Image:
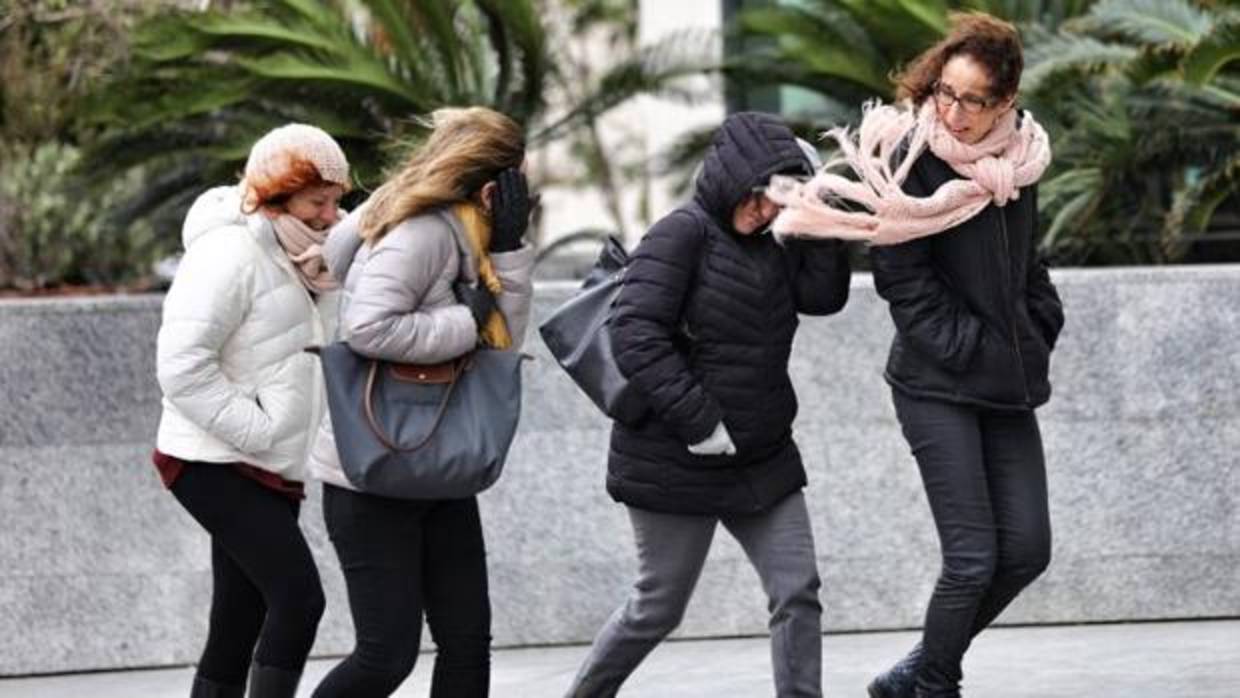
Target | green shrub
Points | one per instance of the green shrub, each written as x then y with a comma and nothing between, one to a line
56,230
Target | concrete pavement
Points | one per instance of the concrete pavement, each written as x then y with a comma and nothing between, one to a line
1195,659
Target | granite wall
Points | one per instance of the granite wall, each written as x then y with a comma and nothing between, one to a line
100,568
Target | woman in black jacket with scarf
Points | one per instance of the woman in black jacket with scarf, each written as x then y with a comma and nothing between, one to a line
944,184
703,329
976,317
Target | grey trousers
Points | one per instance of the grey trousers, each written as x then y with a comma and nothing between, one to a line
671,550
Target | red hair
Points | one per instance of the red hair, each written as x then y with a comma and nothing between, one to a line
274,187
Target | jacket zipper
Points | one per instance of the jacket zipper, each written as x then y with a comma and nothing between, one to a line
316,407
321,337
1007,265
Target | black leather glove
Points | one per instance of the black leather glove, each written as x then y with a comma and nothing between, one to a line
480,301
510,210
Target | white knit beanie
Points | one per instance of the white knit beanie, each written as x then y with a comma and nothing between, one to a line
274,152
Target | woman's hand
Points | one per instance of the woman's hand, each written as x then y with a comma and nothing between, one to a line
479,300
510,210
719,443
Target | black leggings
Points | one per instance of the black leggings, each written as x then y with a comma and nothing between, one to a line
266,599
401,558
985,477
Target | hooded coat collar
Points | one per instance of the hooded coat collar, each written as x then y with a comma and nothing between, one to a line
748,148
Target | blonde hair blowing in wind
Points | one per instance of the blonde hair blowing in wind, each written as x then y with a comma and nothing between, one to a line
467,148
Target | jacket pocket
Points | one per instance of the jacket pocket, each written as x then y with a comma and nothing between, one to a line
998,369
1045,328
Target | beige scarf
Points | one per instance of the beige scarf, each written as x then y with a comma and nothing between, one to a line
1010,156
304,247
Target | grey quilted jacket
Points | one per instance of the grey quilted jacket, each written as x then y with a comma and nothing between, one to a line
398,302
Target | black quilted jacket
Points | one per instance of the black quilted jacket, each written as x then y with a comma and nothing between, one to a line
975,311
704,326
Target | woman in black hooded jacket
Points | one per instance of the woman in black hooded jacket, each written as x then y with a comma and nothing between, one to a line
703,328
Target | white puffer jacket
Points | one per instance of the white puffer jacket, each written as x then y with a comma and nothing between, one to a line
236,384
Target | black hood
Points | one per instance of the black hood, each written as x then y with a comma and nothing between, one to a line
748,148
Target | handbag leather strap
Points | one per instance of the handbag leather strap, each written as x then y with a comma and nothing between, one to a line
458,367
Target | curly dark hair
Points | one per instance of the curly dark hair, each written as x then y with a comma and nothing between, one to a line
993,43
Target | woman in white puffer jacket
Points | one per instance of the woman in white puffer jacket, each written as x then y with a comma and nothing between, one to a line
241,400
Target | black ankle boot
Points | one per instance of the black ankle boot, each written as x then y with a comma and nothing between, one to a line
900,680
206,688
273,682
932,683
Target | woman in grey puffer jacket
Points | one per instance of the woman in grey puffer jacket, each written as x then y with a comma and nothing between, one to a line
442,269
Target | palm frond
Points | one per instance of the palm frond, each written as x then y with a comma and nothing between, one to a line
1048,14
1152,22
1216,49
931,15
906,26
523,55
257,31
1069,197
204,85
164,38
1048,56
361,75
810,28
394,28
311,11
1194,205
1196,202
194,93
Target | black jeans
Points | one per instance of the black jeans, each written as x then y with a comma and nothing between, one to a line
266,599
401,558
985,477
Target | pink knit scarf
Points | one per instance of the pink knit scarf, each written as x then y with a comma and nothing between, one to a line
304,247
876,209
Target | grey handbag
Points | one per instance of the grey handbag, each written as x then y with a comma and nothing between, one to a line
577,335
414,431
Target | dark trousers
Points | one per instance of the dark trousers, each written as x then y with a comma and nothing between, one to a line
266,599
401,558
985,477
671,551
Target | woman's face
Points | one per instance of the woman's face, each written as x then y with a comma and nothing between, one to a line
754,214
964,102
317,206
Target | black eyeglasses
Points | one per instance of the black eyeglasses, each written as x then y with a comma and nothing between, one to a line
945,98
